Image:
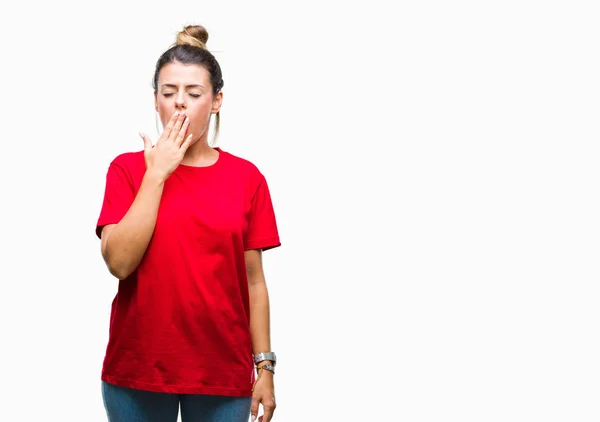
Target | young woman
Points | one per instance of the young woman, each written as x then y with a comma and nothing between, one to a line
182,227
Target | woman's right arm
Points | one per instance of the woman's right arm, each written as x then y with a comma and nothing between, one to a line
124,244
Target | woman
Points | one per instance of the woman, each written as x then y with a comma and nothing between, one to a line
182,227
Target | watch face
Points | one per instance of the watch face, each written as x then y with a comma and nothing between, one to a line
268,367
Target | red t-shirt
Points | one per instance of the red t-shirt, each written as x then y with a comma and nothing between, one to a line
180,322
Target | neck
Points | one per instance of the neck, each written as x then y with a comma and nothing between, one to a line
200,154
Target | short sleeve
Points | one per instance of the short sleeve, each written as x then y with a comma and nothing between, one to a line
118,197
262,230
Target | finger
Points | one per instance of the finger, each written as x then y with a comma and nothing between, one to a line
186,144
254,408
268,409
177,127
182,132
147,142
167,132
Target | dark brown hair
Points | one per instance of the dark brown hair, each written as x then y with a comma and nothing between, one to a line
190,48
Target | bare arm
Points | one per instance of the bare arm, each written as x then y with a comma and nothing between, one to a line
263,391
124,244
259,303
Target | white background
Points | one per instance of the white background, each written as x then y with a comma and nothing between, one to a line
434,171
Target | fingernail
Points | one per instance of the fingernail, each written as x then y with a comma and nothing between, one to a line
141,135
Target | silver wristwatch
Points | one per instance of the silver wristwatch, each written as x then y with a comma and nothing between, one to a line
259,357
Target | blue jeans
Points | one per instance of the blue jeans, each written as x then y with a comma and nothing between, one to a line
124,404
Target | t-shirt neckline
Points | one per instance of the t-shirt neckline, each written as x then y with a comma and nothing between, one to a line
219,159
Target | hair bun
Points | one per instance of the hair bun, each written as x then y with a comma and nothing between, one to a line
195,35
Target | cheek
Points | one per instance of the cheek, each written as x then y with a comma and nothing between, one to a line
164,107
165,112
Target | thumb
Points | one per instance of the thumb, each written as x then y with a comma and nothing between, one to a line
254,409
147,142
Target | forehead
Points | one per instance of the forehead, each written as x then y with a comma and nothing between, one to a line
178,73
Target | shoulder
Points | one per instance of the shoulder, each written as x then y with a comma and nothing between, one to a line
129,159
129,166
243,167
131,163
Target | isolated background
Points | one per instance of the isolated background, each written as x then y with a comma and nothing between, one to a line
434,172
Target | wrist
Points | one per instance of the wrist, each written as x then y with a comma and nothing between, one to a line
154,177
265,367
265,357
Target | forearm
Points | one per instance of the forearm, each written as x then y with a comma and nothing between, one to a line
128,240
259,317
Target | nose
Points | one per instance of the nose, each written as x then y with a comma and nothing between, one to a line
180,103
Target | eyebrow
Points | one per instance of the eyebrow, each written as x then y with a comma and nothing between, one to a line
187,86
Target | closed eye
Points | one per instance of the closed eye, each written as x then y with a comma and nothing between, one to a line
193,95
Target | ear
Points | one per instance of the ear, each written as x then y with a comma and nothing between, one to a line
216,103
155,102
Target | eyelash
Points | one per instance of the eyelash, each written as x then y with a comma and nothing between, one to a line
193,95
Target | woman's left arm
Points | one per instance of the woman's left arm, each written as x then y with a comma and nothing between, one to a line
264,389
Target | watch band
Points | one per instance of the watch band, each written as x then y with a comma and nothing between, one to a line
259,357
267,367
